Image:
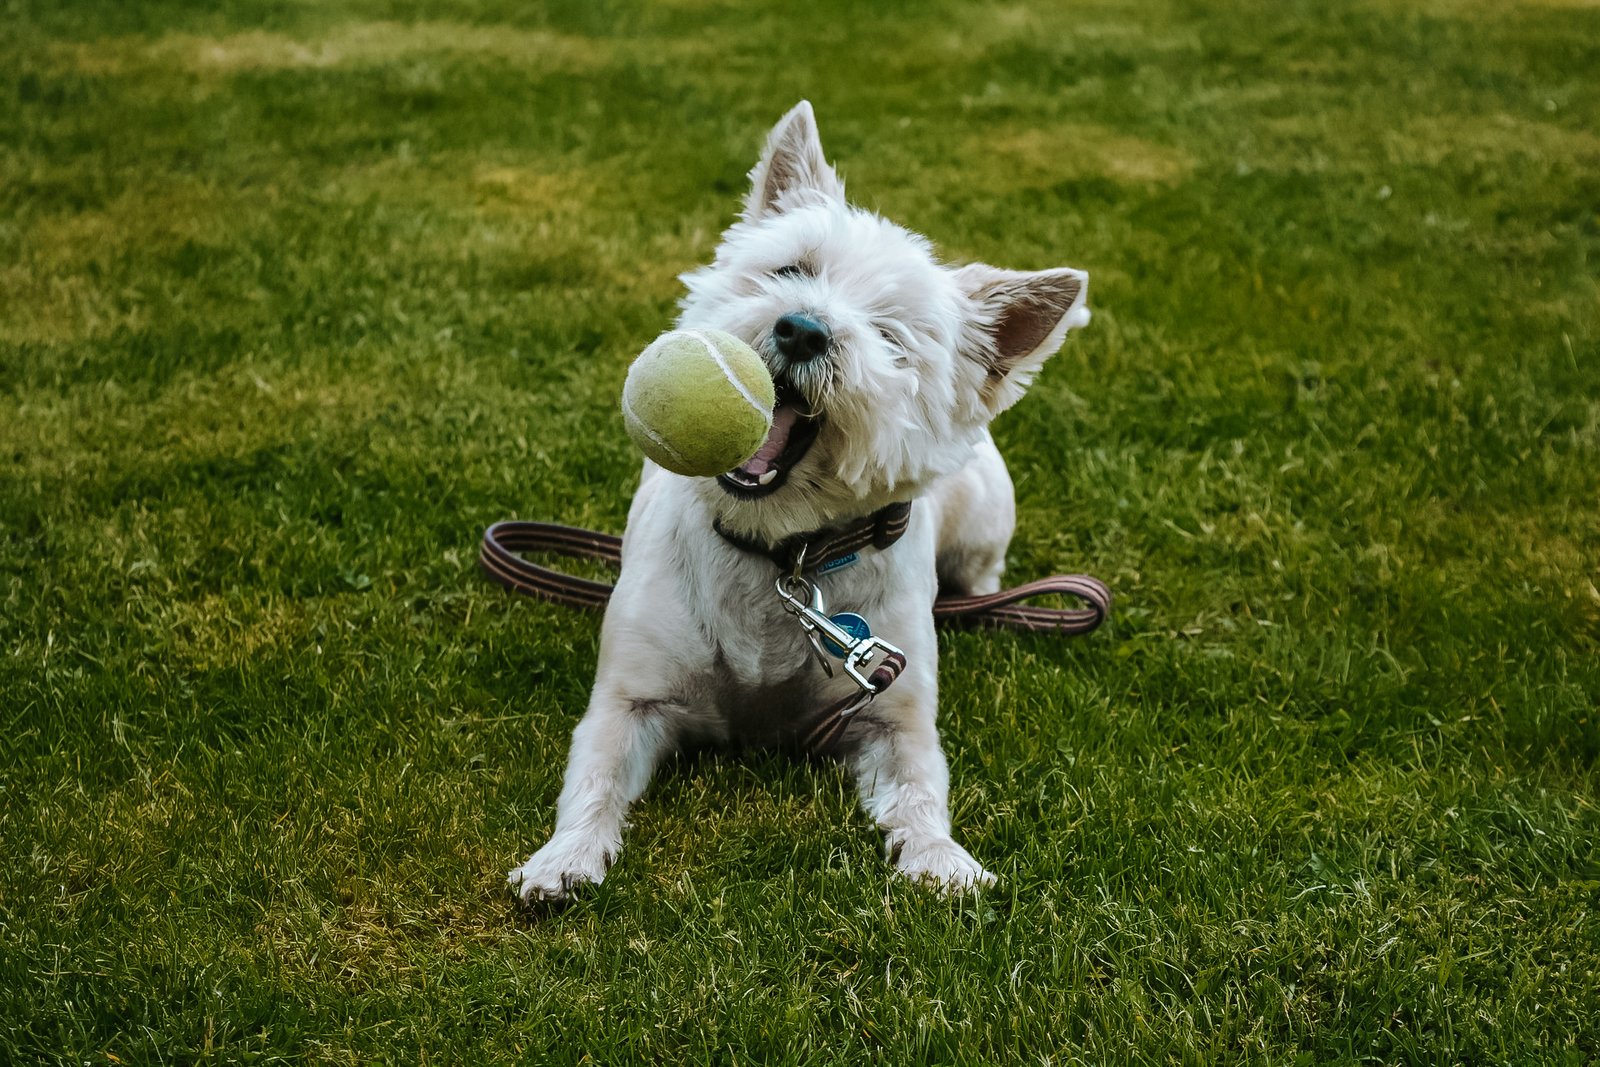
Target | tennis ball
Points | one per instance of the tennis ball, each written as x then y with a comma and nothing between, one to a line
698,402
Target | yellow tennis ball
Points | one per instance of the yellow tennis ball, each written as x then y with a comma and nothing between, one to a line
698,402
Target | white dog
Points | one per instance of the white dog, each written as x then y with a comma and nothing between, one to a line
889,366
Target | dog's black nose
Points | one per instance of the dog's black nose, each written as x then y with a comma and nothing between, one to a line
801,338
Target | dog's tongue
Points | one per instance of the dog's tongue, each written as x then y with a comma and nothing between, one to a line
784,417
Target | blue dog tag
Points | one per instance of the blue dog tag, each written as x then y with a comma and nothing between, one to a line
850,623
839,564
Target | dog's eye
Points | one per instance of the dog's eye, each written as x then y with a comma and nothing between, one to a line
793,270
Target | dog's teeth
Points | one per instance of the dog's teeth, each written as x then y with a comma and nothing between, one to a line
766,479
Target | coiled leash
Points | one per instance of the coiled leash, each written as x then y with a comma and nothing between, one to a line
870,661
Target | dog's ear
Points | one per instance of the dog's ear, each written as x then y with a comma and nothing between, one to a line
792,162
1020,319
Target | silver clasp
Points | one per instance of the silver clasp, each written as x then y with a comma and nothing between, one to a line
803,599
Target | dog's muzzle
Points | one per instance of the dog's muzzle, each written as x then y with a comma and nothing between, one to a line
791,437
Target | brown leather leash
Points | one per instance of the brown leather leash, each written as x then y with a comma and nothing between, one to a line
504,543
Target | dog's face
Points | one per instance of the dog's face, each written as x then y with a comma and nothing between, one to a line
888,363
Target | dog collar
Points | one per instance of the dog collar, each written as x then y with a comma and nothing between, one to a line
820,549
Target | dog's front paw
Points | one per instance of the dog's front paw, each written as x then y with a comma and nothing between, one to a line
940,863
559,869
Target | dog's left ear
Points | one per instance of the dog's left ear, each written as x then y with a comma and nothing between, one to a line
792,162
1020,319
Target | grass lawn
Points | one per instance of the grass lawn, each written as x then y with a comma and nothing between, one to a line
296,298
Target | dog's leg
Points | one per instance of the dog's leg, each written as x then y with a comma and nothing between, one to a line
905,787
977,513
615,748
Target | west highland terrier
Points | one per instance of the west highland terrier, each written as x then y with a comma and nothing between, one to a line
889,367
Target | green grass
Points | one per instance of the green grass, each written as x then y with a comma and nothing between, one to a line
296,298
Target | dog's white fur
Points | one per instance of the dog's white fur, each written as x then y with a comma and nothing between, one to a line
695,645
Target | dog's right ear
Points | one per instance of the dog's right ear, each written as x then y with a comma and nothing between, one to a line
1020,319
792,164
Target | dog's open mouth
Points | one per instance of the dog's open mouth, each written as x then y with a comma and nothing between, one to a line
788,441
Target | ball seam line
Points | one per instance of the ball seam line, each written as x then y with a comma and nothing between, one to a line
722,364
634,420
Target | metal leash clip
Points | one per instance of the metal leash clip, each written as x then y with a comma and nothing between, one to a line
803,599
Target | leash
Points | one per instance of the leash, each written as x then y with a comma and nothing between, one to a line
873,663
504,541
